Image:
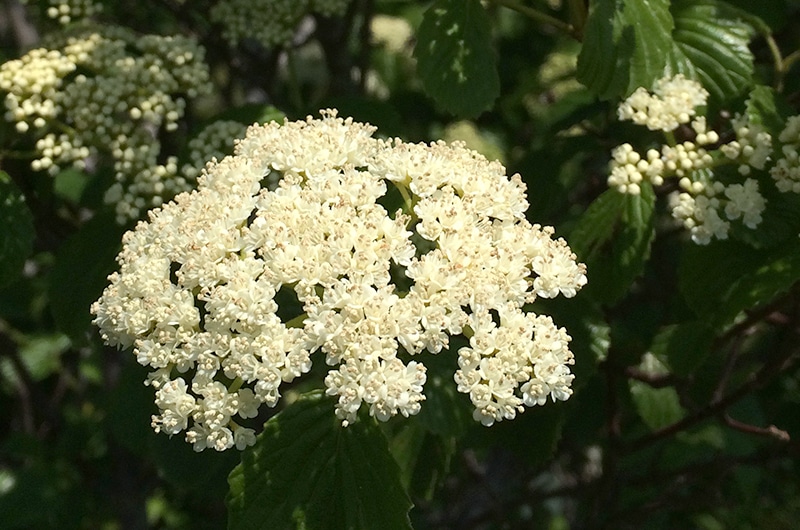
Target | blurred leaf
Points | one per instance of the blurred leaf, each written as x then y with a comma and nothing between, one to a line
80,274
711,45
307,471
683,347
250,114
70,183
626,45
724,278
455,57
16,230
41,354
201,473
658,407
613,238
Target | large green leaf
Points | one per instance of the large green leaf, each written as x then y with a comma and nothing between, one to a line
613,238
16,230
724,278
307,471
80,274
711,45
455,57
626,45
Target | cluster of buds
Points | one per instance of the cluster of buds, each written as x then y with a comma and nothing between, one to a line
271,23
107,92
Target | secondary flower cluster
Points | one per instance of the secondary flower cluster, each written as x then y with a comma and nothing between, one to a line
107,91
704,205
227,292
269,22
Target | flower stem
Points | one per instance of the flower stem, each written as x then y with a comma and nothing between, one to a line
538,16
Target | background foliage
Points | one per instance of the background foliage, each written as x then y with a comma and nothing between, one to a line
685,412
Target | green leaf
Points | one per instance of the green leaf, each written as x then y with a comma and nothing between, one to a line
724,278
445,412
683,347
626,45
70,183
80,274
307,471
658,407
711,45
424,458
16,230
613,238
768,108
455,57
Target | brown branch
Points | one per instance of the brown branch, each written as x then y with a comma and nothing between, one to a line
768,432
718,406
653,380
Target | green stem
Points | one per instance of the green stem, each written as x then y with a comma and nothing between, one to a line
235,385
540,17
787,64
294,86
780,63
408,200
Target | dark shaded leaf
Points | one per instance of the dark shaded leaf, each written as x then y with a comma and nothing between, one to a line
16,230
455,57
80,274
307,471
613,238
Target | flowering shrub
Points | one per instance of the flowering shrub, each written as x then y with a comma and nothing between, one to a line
377,305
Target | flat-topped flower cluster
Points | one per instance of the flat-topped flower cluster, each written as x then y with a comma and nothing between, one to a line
704,205
301,209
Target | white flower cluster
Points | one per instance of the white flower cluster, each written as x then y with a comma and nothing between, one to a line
202,287
704,206
786,170
214,142
269,22
699,207
672,102
752,147
128,89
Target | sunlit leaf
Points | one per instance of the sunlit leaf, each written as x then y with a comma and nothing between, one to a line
626,45
658,407
711,45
